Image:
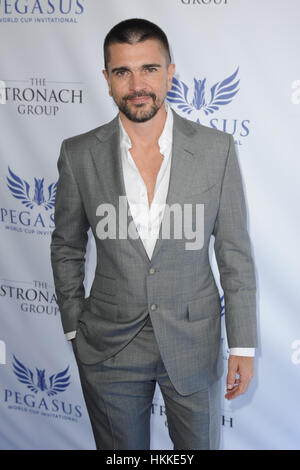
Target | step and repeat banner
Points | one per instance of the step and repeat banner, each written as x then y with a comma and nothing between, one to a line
237,70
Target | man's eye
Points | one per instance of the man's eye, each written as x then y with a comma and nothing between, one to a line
121,73
151,69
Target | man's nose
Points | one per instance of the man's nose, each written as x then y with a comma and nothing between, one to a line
136,81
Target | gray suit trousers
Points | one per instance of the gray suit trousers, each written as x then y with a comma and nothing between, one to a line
119,393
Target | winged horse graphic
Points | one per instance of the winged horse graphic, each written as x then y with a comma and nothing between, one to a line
57,382
221,93
20,190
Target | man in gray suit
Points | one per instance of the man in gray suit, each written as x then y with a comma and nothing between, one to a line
153,314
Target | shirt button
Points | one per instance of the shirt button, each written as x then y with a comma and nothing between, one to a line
153,307
151,270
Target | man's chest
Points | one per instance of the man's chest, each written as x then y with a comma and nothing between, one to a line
148,165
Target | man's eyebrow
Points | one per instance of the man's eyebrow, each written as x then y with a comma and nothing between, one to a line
126,69
148,66
119,69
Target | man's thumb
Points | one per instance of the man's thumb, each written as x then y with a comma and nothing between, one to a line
231,378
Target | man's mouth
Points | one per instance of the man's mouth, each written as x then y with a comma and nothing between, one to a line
139,99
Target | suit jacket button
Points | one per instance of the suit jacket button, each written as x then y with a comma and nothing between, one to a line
151,270
153,307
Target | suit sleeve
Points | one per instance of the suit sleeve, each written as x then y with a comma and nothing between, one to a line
68,244
234,258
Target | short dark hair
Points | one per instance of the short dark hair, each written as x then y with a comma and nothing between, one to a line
133,31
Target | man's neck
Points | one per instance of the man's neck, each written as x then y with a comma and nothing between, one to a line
146,133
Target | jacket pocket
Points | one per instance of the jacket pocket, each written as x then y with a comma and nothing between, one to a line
211,191
204,307
103,285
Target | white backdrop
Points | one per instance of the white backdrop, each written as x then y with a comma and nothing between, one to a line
51,87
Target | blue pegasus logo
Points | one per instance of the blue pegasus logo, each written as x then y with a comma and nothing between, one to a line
221,93
20,190
57,382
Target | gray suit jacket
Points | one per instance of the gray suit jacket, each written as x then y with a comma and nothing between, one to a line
176,287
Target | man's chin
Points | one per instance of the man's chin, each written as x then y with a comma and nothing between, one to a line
140,115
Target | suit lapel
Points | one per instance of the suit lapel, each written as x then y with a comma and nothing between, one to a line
107,159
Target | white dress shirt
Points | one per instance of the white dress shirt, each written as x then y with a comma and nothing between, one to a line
147,219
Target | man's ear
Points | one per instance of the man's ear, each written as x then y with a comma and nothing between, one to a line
108,81
171,71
